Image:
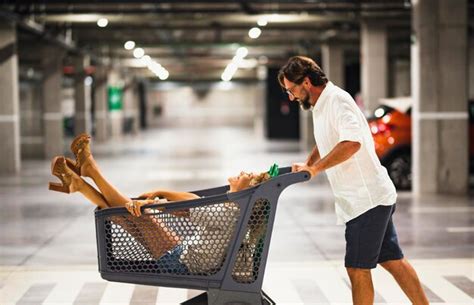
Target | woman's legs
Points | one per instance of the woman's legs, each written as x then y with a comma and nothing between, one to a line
150,230
111,194
71,182
92,194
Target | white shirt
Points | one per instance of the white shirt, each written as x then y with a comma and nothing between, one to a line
361,182
205,250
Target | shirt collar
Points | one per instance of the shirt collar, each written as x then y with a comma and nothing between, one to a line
324,95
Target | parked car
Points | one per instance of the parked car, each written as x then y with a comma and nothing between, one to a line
391,129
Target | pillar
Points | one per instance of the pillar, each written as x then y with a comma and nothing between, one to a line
31,123
440,114
101,107
131,106
51,91
333,63
373,63
115,103
82,97
307,141
401,78
9,105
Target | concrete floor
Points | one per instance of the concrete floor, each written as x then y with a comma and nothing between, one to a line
48,249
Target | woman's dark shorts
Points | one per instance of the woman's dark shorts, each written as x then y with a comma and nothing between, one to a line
371,239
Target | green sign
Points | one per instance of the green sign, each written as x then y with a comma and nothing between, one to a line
115,98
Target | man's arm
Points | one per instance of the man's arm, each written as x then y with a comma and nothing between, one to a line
313,157
340,153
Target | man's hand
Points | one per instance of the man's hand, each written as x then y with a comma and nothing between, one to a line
298,167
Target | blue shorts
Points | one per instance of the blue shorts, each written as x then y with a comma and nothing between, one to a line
371,239
170,262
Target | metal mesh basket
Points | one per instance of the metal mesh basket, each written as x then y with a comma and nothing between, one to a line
217,243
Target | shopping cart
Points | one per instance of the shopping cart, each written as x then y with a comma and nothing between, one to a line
218,243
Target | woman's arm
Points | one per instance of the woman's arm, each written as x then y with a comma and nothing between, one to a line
148,198
169,195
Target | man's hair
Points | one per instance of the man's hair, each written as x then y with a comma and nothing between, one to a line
299,67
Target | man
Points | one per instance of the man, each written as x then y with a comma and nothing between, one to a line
365,195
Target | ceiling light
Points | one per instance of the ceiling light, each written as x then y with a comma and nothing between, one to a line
138,53
262,22
146,60
129,45
242,52
226,77
164,75
102,22
88,81
254,32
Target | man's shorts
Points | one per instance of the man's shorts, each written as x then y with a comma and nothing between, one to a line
371,239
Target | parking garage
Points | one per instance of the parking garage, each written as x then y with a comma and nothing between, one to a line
182,95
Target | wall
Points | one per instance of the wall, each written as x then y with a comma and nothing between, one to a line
217,103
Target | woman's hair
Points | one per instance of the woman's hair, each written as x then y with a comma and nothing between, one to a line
299,67
262,177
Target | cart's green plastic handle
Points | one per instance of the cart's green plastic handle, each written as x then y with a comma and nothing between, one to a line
273,171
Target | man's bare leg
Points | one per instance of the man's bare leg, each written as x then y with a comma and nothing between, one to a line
407,279
362,287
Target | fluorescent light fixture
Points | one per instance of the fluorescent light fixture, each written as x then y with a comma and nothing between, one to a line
138,53
254,32
129,45
262,21
88,81
242,52
146,60
102,22
164,75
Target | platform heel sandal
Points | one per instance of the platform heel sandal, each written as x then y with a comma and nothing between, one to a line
80,146
65,174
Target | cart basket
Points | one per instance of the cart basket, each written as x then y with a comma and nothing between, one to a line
218,243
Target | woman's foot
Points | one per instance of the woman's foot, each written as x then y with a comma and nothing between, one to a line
71,182
80,146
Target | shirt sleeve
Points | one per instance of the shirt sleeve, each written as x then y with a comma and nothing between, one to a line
347,121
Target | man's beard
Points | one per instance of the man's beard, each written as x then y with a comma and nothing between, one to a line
305,104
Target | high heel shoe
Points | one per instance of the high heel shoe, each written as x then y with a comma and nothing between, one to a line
81,148
65,174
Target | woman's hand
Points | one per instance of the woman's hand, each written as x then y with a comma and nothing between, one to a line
134,206
149,195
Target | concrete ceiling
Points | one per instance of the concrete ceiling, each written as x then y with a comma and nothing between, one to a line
198,39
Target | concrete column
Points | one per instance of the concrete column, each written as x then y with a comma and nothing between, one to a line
116,115
9,100
260,98
82,97
31,123
101,106
130,106
471,68
307,141
53,131
333,63
401,78
373,63
439,85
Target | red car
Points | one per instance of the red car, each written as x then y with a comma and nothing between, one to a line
391,129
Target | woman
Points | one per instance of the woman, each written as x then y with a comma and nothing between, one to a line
200,252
